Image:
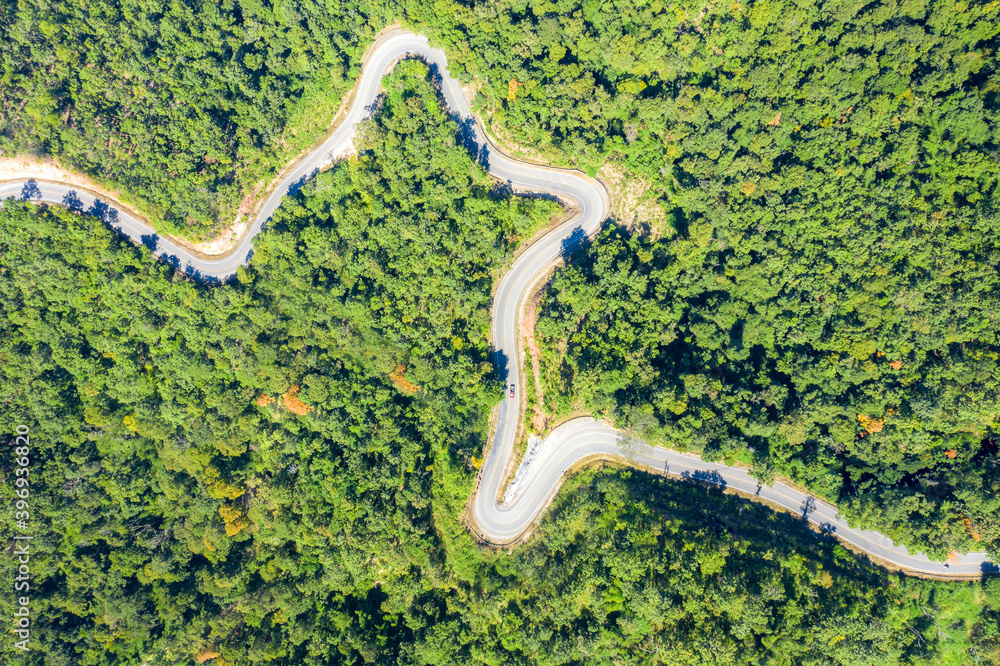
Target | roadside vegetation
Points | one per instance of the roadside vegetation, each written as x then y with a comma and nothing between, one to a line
233,475
273,471
825,306
187,108
718,108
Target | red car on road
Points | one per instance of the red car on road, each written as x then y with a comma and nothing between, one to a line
511,390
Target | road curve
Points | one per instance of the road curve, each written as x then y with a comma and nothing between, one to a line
495,521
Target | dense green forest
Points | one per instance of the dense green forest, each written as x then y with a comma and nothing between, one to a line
184,106
753,111
824,303
272,471
878,392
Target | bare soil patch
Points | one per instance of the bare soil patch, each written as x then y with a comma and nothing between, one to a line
47,168
18,167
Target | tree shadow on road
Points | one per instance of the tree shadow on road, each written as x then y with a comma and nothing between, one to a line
577,241
701,502
502,363
30,191
72,201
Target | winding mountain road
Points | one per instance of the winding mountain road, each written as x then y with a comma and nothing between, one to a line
578,440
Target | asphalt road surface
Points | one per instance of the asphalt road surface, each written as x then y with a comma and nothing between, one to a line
494,521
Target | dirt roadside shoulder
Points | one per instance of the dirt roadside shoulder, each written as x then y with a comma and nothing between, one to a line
24,166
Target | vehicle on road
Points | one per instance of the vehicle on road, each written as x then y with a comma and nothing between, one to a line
511,390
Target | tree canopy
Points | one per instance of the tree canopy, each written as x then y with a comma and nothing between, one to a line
274,470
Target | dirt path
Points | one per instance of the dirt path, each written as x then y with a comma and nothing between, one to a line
18,167
539,419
